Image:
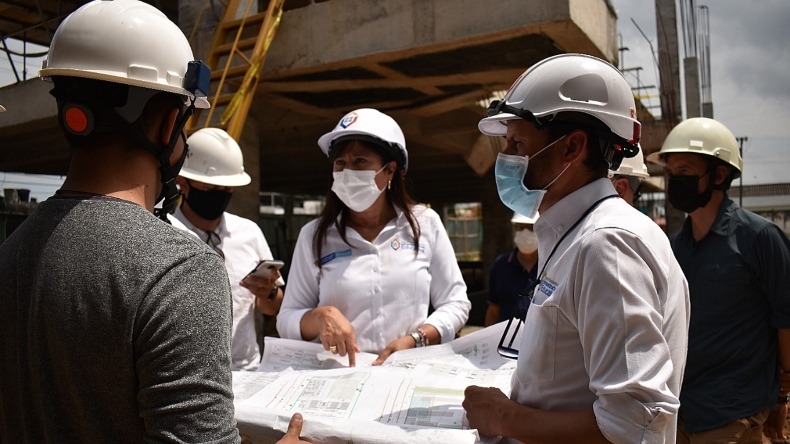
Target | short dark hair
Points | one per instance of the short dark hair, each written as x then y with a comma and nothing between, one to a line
713,163
567,122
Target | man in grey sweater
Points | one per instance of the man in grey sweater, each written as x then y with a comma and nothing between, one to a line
115,326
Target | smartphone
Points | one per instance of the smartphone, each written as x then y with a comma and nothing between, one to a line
265,268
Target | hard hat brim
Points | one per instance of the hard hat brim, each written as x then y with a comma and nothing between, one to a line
496,125
235,180
325,141
113,77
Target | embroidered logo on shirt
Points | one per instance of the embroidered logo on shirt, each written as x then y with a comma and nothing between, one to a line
411,246
331,256
544,291
547,287
398,245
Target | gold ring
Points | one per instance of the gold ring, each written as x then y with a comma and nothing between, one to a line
333,348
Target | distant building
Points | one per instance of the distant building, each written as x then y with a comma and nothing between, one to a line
771,201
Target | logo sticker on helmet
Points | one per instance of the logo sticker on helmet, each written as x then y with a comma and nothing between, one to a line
348,120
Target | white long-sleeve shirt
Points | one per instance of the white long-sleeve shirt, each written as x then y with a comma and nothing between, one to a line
381,287
608,323
243,244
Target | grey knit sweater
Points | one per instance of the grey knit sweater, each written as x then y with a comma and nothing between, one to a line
114,327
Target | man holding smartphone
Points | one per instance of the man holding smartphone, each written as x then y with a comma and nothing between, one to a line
213,168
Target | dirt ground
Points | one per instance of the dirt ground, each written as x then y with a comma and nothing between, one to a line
787,431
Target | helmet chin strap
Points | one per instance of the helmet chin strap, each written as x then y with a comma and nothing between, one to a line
167,172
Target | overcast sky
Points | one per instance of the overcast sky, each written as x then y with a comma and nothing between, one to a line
750,73
750,76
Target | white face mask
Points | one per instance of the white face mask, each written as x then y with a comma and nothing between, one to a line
357,188
526,240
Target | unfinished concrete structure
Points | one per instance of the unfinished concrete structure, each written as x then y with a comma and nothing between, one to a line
428,63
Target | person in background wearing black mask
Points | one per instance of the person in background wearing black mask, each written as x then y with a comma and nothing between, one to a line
213,168
628,178
736,263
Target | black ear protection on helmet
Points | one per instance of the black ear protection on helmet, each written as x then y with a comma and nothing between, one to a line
77,118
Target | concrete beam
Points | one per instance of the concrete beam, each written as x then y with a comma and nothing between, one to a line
340,30
25,102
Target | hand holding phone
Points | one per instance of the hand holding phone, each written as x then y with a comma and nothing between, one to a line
265,268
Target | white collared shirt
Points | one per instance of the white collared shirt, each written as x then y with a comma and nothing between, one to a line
608,325
243,245
381,287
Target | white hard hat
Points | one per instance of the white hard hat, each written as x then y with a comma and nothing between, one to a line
701,135
563,83
128,42
368,122
634,166
214,158
519,218
2,109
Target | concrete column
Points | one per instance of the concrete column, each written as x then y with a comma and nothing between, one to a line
668,65
669,71
707,109
691,78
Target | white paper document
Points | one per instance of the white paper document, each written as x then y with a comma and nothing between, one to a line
414,397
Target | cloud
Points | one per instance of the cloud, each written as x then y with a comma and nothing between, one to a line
750,73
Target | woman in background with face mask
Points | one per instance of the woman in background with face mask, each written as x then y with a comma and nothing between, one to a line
365,273
513,274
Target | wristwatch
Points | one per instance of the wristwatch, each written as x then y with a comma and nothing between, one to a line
420,338
783,399
418,342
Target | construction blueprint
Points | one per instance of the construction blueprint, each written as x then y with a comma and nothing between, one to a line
415,397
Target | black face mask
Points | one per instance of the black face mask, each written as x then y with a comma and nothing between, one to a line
683,193
175,169
208,204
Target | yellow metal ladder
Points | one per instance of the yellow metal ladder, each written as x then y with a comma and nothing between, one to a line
236,61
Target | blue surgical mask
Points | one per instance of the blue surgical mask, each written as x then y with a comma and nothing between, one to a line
509,172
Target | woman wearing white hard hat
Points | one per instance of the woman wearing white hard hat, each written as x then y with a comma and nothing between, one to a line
365,273
514,274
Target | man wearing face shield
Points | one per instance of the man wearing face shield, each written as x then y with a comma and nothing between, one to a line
514,273
604,341
736,263
212,170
